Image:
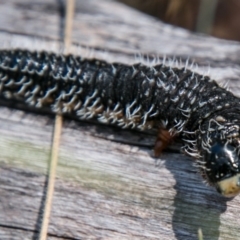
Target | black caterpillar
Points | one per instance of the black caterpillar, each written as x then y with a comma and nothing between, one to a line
203,114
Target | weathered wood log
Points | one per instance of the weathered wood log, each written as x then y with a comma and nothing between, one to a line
108,184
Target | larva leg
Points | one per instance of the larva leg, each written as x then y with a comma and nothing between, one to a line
164,138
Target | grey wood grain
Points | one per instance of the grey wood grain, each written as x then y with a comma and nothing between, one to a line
108,185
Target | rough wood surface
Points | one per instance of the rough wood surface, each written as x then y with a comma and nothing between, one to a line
108,185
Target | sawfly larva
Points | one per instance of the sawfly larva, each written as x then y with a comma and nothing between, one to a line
175,101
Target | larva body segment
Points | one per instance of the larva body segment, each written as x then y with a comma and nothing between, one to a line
206,116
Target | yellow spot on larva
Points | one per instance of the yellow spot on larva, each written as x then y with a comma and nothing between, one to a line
230,187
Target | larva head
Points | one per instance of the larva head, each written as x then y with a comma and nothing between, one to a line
222,168
219,145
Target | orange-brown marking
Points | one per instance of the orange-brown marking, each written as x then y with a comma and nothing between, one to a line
164,138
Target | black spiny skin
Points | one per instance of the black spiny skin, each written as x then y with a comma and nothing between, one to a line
206,116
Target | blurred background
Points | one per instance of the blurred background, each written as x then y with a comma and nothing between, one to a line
219,18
